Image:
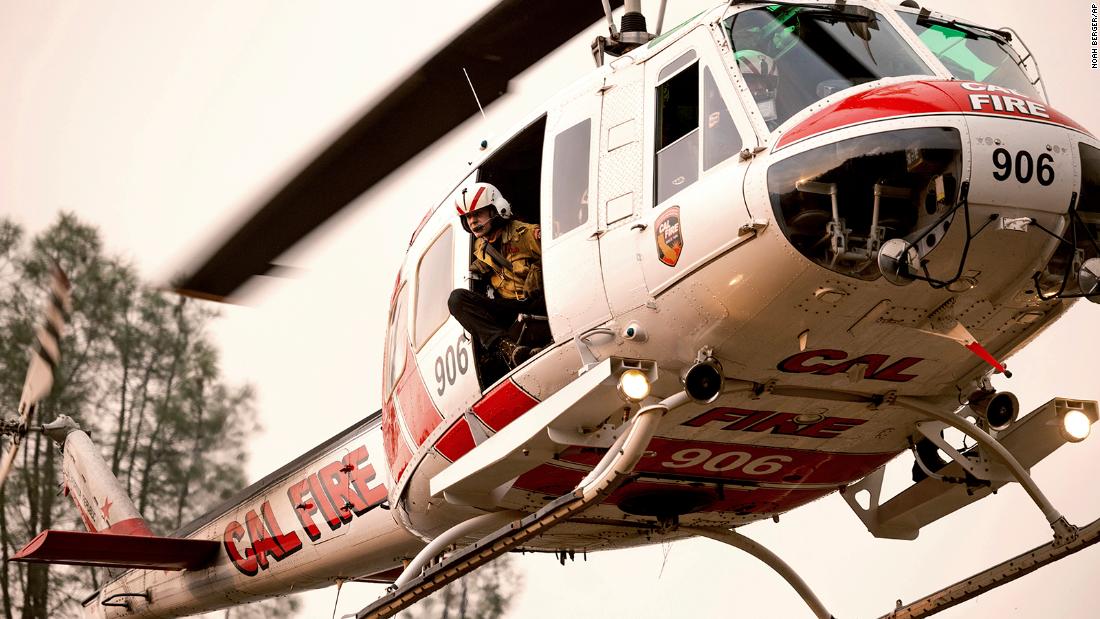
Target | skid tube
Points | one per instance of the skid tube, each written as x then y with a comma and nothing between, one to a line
617,464
1002,573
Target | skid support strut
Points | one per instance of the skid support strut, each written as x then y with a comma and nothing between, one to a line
617,464
770,559
1064,532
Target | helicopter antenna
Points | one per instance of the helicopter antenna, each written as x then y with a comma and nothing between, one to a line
610,21
660,18
471,83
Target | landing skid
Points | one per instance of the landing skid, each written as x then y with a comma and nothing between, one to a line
612,470
999,574
417,582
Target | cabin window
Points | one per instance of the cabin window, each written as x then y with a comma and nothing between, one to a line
395,346
434,282
720,138
677,143
570,193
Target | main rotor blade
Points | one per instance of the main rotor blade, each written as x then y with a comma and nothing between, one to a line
423,108
45,355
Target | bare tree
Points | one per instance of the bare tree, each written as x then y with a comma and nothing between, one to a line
139,374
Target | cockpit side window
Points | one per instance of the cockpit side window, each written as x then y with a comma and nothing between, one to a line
677,142
972,53
792,56
396,337
720,137
434,282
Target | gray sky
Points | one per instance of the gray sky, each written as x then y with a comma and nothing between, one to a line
164,122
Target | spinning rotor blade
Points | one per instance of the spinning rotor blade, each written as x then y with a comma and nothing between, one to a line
502,44
45,355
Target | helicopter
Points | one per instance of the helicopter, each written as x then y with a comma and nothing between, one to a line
703,471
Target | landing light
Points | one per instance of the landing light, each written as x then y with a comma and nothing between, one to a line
1076,426
634,385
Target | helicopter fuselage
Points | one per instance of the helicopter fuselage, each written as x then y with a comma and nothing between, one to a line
699,204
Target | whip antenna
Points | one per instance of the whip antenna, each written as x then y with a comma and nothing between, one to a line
478,101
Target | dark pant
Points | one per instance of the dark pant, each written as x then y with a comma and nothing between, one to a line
488,319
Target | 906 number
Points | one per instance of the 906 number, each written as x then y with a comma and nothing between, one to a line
1025,166
450,365
726,461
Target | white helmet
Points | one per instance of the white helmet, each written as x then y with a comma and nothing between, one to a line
476,196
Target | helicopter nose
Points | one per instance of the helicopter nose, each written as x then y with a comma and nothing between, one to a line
898,162
1019,153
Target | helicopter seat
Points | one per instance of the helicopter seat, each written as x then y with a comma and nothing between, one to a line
808,225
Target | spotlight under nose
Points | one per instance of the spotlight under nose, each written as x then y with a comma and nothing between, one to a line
894,258
1089,279
703,381
1076,426
633,385
998,408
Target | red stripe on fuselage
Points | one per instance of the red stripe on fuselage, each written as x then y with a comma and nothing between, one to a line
915,98
392,441
416,406
553,481
503,405
741,462
456,441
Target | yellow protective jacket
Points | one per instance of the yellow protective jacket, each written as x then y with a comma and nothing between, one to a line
520,243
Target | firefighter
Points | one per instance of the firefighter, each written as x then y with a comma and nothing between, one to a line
509,253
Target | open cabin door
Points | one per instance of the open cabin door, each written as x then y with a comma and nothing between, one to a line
575,297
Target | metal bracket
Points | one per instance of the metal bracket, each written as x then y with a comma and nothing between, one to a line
477,430
760,390
981,466
752,226
872,484
109,600
588,358
602,437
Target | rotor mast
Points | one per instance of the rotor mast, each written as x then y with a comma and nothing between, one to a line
631,33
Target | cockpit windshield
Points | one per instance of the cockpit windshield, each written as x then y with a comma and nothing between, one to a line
791,56
972,53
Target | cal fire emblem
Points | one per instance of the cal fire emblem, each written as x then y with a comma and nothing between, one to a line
670,241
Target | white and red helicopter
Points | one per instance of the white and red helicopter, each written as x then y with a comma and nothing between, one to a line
783,244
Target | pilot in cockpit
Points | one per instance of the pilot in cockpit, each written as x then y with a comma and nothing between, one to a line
508,252
762,77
